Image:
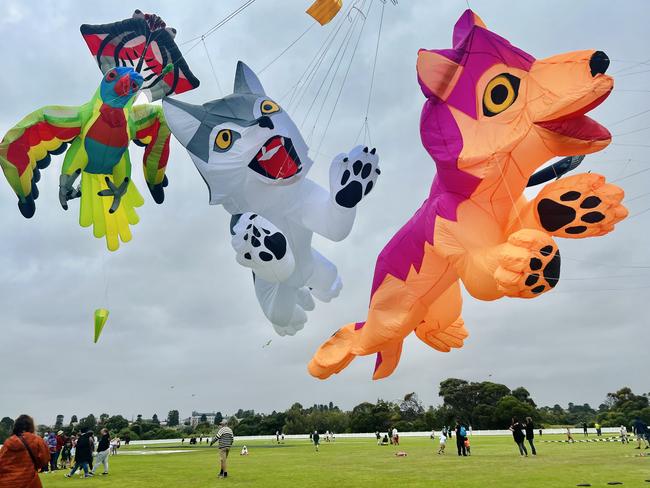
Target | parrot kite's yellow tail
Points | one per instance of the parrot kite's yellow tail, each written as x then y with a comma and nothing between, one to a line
109,207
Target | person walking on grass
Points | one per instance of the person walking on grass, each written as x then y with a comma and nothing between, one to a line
640,429
623,435
103,450
22,456
530,434
569,436
83,454
225,438
518,435
443,441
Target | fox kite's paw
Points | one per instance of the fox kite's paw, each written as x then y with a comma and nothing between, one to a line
529,264
261,246
353,176
581,205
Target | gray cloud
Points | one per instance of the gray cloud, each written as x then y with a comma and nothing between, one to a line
183,313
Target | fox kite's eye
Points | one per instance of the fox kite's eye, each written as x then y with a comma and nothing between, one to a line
134,86
500,93
269,107
224,140
111,76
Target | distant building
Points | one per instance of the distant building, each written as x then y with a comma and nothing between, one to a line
195,419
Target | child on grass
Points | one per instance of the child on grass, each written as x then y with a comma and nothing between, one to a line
443,442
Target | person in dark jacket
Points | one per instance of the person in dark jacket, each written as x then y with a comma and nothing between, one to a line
461,434
103,449
83,454
518,435
22,455
530,434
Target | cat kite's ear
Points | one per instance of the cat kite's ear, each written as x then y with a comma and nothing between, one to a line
464,26
183,119
437,74
246,81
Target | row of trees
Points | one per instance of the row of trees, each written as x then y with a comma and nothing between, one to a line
483,405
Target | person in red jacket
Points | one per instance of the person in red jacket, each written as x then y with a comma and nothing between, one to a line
22,456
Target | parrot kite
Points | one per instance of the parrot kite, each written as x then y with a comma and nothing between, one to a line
96,135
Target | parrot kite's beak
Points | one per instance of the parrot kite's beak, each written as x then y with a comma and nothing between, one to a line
122,86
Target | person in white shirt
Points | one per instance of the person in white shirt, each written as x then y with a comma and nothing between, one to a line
395,436
443,442
624,439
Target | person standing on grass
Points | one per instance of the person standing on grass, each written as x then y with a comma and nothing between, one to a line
60,442
22,455
461,434
530,434
584,429
103,447
51,443
518,435
225,438
83,454
66,454
467,446
316,439
395,436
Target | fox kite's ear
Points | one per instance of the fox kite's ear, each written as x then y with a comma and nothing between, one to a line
246,81
464,26
437,74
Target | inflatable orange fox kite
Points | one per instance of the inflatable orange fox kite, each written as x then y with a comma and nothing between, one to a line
493,115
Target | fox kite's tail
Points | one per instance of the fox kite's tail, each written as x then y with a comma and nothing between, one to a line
108,219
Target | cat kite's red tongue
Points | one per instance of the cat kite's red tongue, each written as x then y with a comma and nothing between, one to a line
276,160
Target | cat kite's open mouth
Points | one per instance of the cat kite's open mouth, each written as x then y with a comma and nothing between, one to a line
277,159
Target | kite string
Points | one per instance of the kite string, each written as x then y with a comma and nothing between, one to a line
338,97
311,26
372,77
219,24
338,67
214,73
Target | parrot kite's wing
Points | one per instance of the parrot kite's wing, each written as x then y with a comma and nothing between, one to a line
28,146
145,43
152,132
556,170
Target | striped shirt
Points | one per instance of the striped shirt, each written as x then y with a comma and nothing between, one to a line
225,437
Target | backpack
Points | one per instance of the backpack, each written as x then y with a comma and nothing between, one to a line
463,432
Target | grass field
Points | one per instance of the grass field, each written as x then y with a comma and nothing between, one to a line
495,462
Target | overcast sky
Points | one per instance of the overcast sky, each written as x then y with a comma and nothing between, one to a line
183,312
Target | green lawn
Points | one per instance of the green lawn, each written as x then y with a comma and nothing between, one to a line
495,462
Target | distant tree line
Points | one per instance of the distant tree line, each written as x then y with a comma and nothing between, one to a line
483,405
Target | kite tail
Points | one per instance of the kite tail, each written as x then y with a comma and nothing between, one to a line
113,224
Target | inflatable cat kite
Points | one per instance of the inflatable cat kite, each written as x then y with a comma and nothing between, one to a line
254,161
493,115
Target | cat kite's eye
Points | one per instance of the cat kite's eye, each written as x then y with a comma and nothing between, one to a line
269,107
224,140
500,93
